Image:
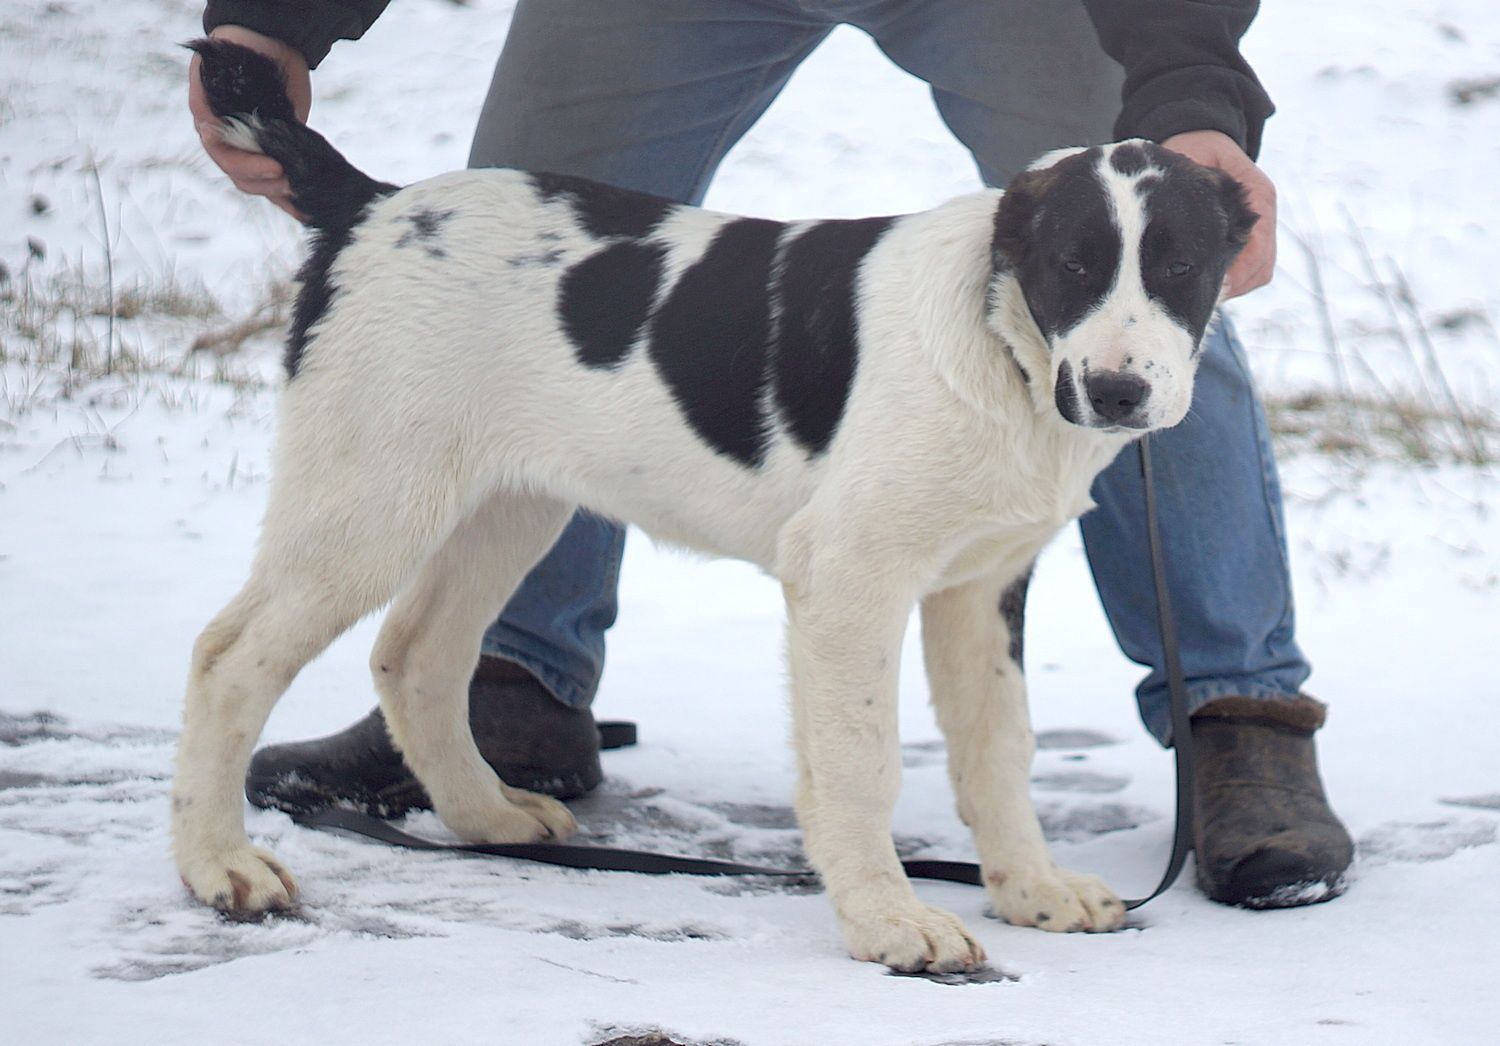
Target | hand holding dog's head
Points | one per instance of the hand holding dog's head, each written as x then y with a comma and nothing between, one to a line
1120,254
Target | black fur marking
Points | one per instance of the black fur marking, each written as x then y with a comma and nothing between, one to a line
1197,217
1065,394
316,292
709,339
1055,230
326,188
1129,159
605,299
1013,611
817,337
332,195
426,231
604,210
239,81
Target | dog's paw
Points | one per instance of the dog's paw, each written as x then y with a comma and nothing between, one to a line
1057,900
243,881
518,817
549,811
917,940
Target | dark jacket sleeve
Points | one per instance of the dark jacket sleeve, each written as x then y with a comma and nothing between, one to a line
1183,67
311,26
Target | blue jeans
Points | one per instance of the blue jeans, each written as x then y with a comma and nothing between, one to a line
652,95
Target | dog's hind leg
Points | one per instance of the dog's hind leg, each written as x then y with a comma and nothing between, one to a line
972,644
242,663
338,541
426,653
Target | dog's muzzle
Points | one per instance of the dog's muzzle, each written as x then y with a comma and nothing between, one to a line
1108,399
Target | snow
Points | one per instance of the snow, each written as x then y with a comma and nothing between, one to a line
128,510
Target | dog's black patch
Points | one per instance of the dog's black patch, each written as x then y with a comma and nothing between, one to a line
604,300
1055,230
1197,220
817,335
1129,159
316,291
1013,611
426,231
604,210
1065,394
709,339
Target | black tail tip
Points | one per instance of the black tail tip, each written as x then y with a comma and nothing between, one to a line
239,80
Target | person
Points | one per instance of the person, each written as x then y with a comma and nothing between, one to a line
650,96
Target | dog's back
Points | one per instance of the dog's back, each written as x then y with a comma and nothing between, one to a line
690,371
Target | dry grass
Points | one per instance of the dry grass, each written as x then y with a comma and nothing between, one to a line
67,330
1364,429
1367,415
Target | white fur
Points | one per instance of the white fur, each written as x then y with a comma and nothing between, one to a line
241,132
440,431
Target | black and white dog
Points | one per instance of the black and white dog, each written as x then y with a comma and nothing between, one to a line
880,413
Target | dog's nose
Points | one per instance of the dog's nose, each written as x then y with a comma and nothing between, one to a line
1115,395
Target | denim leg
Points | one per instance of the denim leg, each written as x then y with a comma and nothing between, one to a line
1225,541
1012,79
647,97
992,66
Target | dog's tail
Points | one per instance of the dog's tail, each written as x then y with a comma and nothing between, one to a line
247,92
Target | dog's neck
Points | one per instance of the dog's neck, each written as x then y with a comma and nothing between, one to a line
1024,352
1011,322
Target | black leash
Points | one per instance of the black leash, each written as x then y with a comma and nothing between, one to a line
1182,732
604,858
610,859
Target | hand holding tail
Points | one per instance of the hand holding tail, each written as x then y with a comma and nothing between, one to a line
250,100
253,173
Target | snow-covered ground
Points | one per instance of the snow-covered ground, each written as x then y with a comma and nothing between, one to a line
128,508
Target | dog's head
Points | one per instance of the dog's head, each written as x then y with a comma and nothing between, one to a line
1119,254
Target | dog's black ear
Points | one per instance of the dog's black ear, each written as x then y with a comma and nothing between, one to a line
1017,216
1235,202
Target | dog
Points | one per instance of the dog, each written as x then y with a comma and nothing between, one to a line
880,413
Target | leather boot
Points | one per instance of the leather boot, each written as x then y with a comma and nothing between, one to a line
531,739
1264,834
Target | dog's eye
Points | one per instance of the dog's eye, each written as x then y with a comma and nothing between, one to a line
1179,268
1073,265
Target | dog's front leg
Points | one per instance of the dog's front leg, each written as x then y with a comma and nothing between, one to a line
972,644
845,622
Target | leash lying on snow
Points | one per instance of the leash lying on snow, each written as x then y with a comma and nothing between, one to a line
611,859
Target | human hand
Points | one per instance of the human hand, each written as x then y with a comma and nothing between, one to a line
1254,266
253,173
